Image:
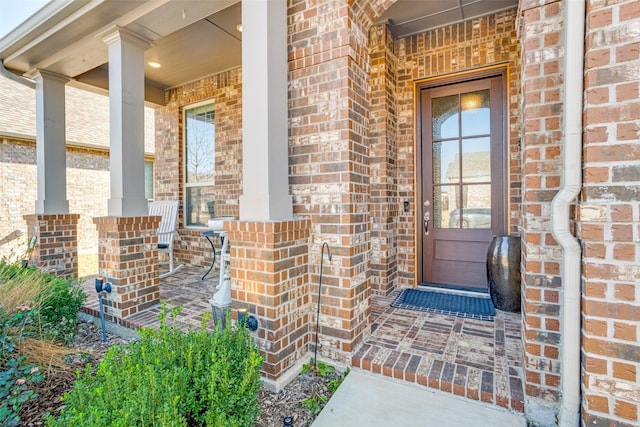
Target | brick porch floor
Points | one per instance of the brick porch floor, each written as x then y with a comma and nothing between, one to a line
181,288
476,359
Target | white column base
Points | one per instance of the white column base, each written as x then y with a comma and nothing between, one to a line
127,207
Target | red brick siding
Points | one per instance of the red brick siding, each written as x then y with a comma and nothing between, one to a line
609,215
328,155
225,91
269,277
128,259
542,53
56,250
385,206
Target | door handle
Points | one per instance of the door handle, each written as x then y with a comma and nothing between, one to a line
426,218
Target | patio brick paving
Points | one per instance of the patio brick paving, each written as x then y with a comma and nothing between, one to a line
476,359
183,288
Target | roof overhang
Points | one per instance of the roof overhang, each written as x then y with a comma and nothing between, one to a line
63,37
191,38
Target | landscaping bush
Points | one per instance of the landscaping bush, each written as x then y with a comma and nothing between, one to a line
35,309
56,301
16,376
170,378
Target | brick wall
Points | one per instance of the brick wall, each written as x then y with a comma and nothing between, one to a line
17,187
128,259
269,278
378,150
57,243
542,53
87,188
329,159
609,215
225,91
383,127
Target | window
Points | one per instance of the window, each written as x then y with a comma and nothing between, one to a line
148,179
199,163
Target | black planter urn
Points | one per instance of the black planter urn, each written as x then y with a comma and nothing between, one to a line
503,272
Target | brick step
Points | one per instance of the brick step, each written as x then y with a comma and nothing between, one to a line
463,381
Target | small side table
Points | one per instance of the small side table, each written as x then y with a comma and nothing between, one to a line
208,235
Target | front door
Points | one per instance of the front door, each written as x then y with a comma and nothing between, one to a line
462,179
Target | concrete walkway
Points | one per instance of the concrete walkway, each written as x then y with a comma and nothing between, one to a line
370,400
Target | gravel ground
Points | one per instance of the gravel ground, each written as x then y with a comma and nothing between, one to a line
273,406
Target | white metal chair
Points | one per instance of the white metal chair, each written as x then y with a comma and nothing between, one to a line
168,210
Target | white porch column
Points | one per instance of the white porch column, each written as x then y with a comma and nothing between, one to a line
51,150
264,112
126,122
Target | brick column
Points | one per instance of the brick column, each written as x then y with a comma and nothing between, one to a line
542,84
385,203
329,151
57,248
128,259
269,277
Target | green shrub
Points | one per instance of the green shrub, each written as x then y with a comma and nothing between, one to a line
33,306
56,300
59,312
16,376
170,378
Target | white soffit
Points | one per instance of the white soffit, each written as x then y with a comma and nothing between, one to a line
408,17
193,38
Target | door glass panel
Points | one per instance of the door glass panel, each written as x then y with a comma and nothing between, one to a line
445,200
445,117
475,113
446,167
476,160
476,211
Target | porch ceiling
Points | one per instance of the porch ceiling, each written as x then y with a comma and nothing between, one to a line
192,38
407,17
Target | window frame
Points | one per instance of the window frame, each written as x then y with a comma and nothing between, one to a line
186,185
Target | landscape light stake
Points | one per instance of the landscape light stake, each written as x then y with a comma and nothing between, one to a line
315,353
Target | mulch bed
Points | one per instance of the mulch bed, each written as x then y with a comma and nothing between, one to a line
274,407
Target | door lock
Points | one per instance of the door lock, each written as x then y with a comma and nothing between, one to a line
426,218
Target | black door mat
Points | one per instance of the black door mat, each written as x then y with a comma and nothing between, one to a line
473,307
